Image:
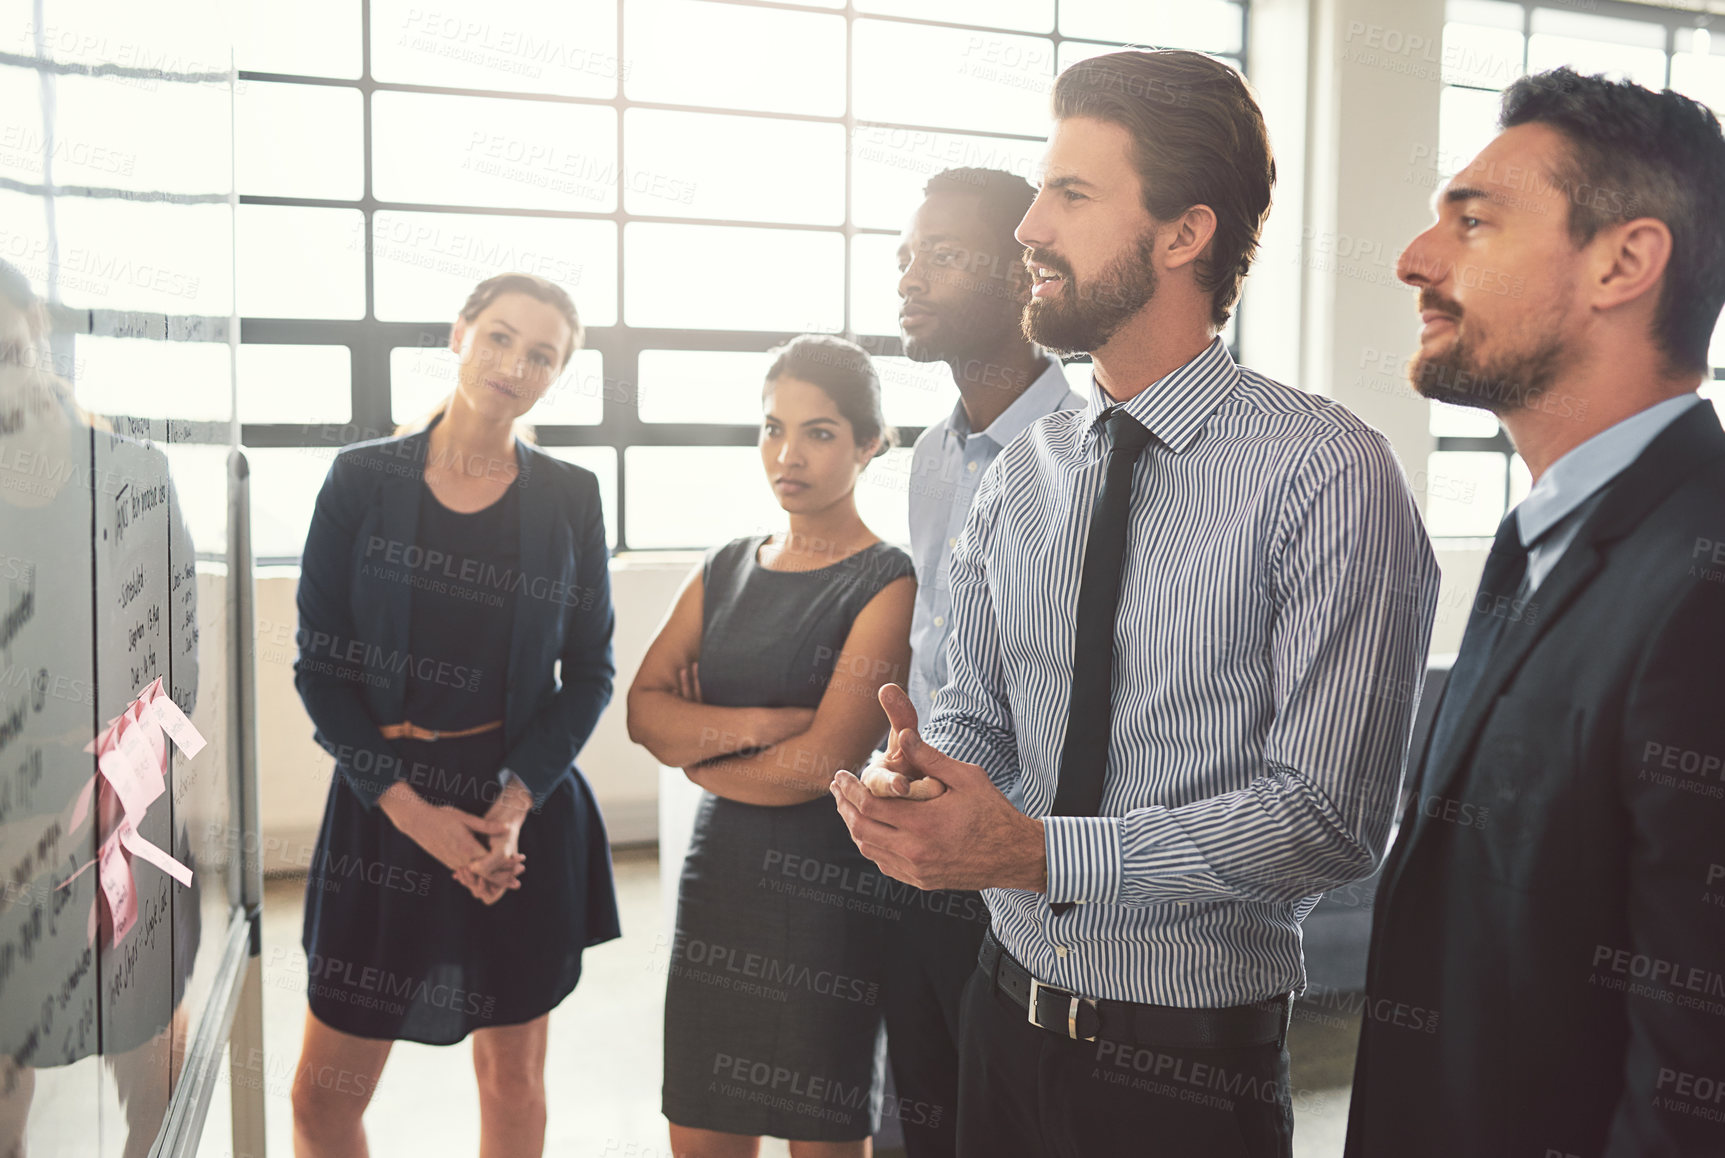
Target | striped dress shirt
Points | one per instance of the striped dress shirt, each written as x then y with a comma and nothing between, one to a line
1275,609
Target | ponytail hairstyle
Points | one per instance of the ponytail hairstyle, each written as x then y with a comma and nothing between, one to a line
482,296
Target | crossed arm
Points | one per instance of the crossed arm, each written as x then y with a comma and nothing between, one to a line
762,755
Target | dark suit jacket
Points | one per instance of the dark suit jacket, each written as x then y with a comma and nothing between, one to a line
354,650
1547,971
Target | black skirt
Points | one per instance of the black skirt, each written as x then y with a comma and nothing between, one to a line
773,998
397,949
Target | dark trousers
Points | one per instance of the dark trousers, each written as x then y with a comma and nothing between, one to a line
1027,1093
931,953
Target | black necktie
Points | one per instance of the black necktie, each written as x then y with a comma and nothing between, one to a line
1493,607
1084,753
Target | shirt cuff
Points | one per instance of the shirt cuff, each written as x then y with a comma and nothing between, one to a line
1085,861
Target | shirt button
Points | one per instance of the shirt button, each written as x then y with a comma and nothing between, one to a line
972,466
940,621
952,542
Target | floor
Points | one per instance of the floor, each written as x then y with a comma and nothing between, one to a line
605,1053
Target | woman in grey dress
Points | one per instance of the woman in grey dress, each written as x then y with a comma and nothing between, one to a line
762,683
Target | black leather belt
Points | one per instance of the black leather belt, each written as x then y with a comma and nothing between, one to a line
1129,1022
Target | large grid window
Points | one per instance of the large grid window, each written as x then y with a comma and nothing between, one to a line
1487,45
706,177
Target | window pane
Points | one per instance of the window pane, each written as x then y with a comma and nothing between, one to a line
427,263
602,461
1450,421
109,137
146,255
155,379
1697,72
730,56
300,140
285,482
1520,480
568,48
874,283
890,166
420,377
702,386
1467,121
200,476
883,496
1028,15
188,36
309,37
1463,492
295,383
1482,57
457,150
697,496
1632,49
915,393
981,81
1485,13
301,263
20,124
578,396
173,138
736,168
1206,25
24,237
719,278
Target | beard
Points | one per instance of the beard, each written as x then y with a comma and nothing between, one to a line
1464,376
1086,314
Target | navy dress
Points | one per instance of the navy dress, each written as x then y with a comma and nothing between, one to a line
773,1000
395,947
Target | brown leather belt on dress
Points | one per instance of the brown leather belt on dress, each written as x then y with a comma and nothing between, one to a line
409,731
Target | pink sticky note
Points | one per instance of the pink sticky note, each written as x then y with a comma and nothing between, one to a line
134,783
116,878
167,715
143,737
138,846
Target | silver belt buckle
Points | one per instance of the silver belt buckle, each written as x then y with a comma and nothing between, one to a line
1071,1010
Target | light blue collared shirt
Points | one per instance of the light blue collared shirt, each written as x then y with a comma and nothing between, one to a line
948,462
1554,510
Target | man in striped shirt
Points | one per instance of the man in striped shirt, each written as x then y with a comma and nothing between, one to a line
1274,609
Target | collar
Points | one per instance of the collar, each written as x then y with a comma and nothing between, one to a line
1584,470
1043,396
1175,407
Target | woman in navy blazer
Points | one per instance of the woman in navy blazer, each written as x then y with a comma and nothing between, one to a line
454,656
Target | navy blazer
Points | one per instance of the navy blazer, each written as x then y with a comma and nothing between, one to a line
1548,947
354,650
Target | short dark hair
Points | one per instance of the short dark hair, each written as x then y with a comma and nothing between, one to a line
1198,138
1635,153
1002,198
844,373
